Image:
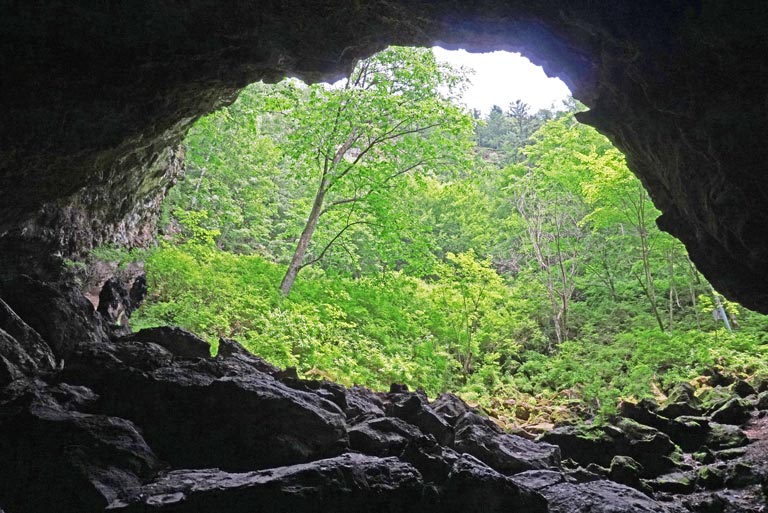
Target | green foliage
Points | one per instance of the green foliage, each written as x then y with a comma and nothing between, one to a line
531,278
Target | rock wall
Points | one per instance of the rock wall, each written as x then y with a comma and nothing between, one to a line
97,94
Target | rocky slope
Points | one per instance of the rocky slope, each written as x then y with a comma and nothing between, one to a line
91,420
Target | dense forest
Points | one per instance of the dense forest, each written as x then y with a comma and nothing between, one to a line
375,231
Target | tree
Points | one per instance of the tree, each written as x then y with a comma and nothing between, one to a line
364,142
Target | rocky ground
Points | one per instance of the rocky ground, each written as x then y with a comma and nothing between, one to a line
93,420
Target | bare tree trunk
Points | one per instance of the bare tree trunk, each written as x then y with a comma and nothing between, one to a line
306,236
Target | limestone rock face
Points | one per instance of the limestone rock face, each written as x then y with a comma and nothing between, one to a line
97,98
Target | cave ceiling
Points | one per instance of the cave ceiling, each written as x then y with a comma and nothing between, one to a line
98,95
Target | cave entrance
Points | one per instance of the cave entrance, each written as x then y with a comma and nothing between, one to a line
512,256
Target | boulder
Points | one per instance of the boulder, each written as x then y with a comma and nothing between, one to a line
362,404
59,313
594,496
584,444
415,409
507,454
232,350
348,483
328,390
625,470
451,407
55,458
689,432
725,436
675,482
762,401
710,477
234,417
735,411
23,352
472,486
180,342
384,436
743,389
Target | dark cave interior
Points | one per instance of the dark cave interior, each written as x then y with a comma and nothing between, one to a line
97,98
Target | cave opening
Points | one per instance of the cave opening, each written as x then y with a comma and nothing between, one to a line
98,99
534,270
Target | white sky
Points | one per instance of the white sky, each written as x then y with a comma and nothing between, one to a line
500,78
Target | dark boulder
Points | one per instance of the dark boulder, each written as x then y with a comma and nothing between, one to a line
234,417
384,436
362,404
743,389
232,350
762,401
625,470
328,390
475,487
23,352
584,444
710,477
57,459
595,496
735,411
725,436
415,409
59,313
675,482
180,342
349,483
508,454
451,407
114,306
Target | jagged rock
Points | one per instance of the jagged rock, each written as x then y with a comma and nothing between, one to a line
349,483
584,444
762,401
676,482
644,412
592,444
475,487
714,398
730,454
332,392
742,474
683,393
114,306
679,409
451,407
362,404
58,459
690,433
743,389
415,409
597,496
23,352
385,436
204,403
178,341
232,350
734,411
652,448
710,477
625,470
725,436
508,454
717,378
61,315
435,462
